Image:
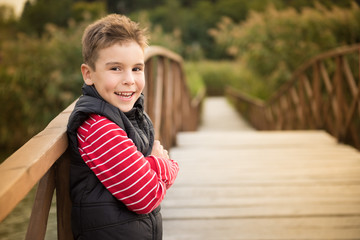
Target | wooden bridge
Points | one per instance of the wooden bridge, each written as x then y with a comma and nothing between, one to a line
234,182
238,183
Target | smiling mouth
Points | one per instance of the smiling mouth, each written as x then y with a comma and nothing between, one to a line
125,94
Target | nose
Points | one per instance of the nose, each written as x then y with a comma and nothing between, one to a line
128,78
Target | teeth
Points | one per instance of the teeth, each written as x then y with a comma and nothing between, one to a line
124,94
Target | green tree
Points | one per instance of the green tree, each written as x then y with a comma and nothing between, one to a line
38,13
39,78
81,11
7,23
130,6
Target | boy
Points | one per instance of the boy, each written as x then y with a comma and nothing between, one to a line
119,174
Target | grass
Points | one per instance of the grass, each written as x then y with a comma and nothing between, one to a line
216,75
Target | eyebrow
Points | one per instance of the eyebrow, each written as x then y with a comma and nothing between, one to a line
113,63
119,63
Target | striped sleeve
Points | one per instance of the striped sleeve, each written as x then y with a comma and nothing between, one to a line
139,182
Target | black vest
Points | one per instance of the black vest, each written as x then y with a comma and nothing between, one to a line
96,214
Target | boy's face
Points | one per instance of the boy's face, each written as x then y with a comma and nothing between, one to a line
119,77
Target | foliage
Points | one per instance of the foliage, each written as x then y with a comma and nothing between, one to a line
36,14
274,43
128,6
7,14
193,19
7,22
169,22
194,79
157,35
40,73
39,78
216,75
81,11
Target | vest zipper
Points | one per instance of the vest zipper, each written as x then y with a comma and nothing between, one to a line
153,223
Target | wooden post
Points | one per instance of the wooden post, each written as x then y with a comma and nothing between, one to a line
338,96
158,101
40,211
63,202
165,111
177,98
150,88
174,104
316,86
303,106
169,99
147,89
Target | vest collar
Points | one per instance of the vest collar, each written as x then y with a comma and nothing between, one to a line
135,123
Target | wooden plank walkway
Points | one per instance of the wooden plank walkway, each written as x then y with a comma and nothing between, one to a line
236,184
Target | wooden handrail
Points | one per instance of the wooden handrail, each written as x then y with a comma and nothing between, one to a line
323,93
44,157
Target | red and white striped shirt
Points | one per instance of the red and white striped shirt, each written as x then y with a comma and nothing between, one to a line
137,181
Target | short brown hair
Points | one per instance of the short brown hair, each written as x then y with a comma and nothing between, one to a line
108,31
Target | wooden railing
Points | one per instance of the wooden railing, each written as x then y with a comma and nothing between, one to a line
169,103
44,158
324,93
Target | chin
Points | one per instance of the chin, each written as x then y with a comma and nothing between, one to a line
125,109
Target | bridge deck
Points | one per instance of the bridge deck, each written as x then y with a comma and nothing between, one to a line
236,184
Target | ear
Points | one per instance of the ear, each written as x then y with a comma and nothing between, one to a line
86,73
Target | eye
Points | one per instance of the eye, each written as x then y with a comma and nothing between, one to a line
115,69
137,69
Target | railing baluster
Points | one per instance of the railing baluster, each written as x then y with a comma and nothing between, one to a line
339,99
349,77
316,86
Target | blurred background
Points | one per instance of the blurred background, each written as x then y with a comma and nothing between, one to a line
253,46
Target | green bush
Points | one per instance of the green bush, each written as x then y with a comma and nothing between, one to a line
274,43
194,80
39,78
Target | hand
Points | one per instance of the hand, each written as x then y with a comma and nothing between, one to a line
159,151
